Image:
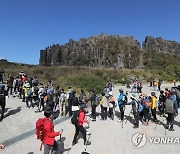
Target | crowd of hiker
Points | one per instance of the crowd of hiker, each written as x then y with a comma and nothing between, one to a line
53,100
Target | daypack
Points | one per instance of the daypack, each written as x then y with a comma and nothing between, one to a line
169,106
97,101
36,89
140,107
74,119
40,129
147,103
29,92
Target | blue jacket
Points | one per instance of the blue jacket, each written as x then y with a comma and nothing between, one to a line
121,99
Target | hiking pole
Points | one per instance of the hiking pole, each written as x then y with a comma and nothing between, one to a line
61,135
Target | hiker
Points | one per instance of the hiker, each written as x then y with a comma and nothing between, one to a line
104,104
75,102
159,85
175,101
41,94
141,108
153,106
81,96
15,85
3,94
121,103
79,126
139,87
35,81
28,95
63,103
134,104
10,85
134,87
49,141
111,105
2,146
93,104
169,105
110,86
106,92
166,92
146,109
161,105
1,76
69,98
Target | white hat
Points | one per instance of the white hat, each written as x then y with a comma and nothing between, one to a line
110,93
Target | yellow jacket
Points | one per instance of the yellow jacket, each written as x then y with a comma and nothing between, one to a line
153,100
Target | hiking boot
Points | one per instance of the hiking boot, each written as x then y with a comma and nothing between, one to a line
171,129
88,143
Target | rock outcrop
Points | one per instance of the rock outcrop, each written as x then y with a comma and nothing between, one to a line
105,50
161,45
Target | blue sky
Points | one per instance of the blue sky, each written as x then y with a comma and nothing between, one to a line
27,26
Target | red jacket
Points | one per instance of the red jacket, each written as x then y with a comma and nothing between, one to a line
81,118
49,133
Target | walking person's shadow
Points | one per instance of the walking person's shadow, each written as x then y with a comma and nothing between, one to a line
61,146
11,112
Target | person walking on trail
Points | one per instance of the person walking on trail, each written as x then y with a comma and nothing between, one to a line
79,126
93,104
69,98
10,85
110,85
161,105
75,102
50,144
41,94
111,105
153,106
147,106
121,103
3,94
169,105
104,105
159,85
28,95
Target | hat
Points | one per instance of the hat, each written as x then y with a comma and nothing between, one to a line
121,90
110,93
133,96
82,106
27,85
153,93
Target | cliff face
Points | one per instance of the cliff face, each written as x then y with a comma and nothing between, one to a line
108,51
161,45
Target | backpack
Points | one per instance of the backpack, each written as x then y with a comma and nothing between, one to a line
40,129
2,94
97,101
147,103
140,107
36,89
74,119
29,92
169,106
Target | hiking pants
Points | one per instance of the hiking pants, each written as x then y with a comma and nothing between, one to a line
104,113
82,130
153,111
69,108
53,148
11,89
111,114
146,114
136,118
93,112
121,108
170,120
29,99
2,104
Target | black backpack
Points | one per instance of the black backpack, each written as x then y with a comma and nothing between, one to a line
2,95
74,119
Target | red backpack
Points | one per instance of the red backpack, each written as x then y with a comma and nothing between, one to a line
40,130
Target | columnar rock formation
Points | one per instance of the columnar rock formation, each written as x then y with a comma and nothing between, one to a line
106,50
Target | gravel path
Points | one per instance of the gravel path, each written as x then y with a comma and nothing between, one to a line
108,137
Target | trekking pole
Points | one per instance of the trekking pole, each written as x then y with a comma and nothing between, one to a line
128,116
61,135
